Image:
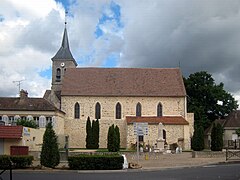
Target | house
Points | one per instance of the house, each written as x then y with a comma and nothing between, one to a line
230,124
38,109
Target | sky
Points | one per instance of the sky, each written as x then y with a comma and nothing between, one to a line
195,35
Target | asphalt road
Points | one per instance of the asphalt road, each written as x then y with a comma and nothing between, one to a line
226,171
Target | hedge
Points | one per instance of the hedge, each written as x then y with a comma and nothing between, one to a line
17,161
95,162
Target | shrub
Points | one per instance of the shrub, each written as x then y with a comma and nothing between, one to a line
216,137
95,133
89,136
27,123
117,138
113,144
110,139
18,161
95,162
50,156
198,139
4,162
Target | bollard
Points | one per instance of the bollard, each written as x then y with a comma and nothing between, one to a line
146,157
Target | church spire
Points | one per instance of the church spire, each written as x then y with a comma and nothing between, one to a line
64,52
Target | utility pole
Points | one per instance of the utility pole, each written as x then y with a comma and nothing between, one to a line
19,84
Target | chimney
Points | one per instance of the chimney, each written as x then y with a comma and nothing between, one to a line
23,94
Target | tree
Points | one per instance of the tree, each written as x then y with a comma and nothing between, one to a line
95,132
117,138
217,137
198,139
89,136
110,138
113,144
50,153
27,123
207,100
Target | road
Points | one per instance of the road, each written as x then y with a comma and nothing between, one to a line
226,171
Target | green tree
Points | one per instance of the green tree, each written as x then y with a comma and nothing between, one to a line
89,136
198,139
50,153
111,138
27,123
217,137
204,96
113,144
95,132
117,138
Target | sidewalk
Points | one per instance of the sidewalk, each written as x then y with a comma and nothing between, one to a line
177,161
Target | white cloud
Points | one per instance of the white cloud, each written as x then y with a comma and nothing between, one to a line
201,35
25,49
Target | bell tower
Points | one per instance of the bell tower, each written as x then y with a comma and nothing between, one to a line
60,62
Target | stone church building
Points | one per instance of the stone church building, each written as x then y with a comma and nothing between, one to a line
120,96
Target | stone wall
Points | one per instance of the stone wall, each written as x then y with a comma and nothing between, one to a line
208,154
76,128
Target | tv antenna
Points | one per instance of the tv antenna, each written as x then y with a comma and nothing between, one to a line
19,84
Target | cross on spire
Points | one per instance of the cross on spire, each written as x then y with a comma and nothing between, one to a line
66,12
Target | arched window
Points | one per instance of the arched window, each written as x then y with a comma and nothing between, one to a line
76,111
58,75
118,111
159,110
29,118
138,110
98,111
42,121
54,121
5,119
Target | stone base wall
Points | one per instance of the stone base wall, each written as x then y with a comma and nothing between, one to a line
208,154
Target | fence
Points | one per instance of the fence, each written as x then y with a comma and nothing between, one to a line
232,154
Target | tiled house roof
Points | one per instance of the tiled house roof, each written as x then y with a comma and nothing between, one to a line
151,82
233,119
166,120
11,132
25,104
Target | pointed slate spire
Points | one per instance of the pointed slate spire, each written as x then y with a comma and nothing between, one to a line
64,52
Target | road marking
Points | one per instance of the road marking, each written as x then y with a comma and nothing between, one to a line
209,166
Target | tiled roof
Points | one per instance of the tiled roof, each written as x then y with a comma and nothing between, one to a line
233,119
151,82
11,132
166,120
25,104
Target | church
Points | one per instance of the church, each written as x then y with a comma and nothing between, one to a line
119,96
